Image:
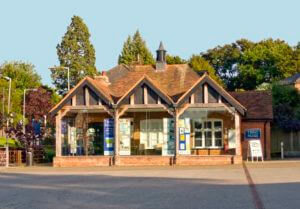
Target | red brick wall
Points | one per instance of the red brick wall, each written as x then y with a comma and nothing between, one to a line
143,160
208,160
82,161
2,157
265,137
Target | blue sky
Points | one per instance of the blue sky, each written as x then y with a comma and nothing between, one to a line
30,30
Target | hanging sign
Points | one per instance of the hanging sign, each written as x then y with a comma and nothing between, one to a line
253,133
254,149
168,137
125,136
109,136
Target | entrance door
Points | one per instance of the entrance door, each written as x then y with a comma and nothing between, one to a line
96,139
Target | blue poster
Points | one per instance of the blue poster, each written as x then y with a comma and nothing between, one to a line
109,136
253,133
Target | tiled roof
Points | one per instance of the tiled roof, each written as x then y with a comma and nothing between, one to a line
257,103
174,80
291,80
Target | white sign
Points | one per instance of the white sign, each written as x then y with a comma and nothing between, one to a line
125,136
231,139
255,150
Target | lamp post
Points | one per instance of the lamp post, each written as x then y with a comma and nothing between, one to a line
7,121
65,68
24,101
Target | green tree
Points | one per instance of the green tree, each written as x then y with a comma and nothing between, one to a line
76,52
135,51
174,60
198,63
225,59
23,76
267,61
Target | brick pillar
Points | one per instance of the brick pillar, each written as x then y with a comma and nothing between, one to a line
58,134
268,140
237,122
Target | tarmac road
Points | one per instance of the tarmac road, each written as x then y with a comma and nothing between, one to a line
207,187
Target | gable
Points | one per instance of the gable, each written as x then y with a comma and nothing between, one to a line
206,87
79,92
145,92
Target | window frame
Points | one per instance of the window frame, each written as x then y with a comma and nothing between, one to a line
212,130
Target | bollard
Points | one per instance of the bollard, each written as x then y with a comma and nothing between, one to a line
281,146
29,159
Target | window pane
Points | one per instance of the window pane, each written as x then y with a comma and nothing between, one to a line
218,134
198,125
207,124
218,142
208,140
198,143
218,124
198,135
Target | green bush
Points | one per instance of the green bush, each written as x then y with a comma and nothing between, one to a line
14,143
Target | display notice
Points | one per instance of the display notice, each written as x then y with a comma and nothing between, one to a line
168,137
255,150
184,136
231,139
109,136
125,136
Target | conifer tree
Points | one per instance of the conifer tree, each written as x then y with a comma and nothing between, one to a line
76,52
135,51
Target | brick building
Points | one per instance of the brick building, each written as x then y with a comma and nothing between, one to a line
157,115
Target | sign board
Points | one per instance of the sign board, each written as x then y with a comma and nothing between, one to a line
231,139
125,136
109,138
168,147
253,133
184,136
255,150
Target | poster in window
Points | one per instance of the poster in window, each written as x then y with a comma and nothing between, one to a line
109,136
184,136
168,137
124,134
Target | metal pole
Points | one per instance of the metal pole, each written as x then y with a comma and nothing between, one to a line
7,122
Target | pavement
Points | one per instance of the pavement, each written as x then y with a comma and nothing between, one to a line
271,186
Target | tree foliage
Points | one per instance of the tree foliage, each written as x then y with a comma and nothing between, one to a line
174,60
286,107
135,51
76,52
246,65
198,63
23,76
37,99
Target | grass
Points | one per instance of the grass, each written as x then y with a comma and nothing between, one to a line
11,142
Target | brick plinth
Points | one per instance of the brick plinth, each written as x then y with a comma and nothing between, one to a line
206,160
82,161
143,160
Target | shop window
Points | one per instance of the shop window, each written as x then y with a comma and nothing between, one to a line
208,133
151,134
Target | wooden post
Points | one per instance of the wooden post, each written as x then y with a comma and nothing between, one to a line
74,100
145,95
192,98
205,94
132,99
237,122
87,97
58,134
